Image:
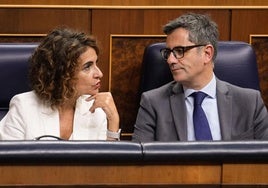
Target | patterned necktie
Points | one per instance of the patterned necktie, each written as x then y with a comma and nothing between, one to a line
201,126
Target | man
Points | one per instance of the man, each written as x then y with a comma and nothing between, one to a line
171,112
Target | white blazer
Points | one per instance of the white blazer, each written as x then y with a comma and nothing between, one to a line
29,118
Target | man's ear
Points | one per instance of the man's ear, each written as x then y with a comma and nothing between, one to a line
209,52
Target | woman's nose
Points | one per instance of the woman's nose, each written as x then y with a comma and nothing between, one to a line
98,72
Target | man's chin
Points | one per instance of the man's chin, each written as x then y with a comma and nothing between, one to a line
178,77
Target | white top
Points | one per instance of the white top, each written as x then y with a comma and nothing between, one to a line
29,118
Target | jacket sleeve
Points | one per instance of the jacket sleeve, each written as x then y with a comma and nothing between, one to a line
12,125
144,128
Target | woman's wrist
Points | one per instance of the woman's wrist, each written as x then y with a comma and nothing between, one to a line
114,135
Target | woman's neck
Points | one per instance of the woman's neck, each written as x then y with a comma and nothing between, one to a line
66,119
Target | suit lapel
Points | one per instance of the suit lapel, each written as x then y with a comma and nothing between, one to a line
178,108
224,100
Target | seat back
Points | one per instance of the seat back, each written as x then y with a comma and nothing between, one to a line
235,63
13,71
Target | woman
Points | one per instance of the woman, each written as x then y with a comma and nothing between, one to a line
65,102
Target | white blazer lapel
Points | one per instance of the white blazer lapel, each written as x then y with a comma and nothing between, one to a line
49,121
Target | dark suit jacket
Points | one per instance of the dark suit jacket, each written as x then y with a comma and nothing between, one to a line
162,114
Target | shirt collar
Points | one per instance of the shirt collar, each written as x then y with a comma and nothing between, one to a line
209,89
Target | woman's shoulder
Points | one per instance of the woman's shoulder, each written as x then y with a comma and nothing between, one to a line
26,97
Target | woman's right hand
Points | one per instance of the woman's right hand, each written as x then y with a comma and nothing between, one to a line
105,101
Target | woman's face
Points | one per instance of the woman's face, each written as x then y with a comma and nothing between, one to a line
89,75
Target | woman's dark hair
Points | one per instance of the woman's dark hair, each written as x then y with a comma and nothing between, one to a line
54,63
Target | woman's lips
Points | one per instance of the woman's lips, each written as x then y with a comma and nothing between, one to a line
97,85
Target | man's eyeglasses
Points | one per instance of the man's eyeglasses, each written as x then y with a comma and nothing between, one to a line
177,51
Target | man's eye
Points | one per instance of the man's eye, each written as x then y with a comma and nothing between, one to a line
178,50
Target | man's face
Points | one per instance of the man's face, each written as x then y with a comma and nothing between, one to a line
187,69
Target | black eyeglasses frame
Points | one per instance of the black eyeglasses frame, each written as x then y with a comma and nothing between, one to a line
184,49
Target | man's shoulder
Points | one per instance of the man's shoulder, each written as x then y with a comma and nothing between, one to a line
234,89
164,89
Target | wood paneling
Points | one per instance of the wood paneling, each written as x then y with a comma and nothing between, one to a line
39,21
126,75
117,174
245,174
136,175
139,2
246,22
260,45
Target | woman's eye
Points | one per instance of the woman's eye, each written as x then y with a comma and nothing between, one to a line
87,66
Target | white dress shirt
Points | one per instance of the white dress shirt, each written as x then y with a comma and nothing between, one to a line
29,118
210,108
